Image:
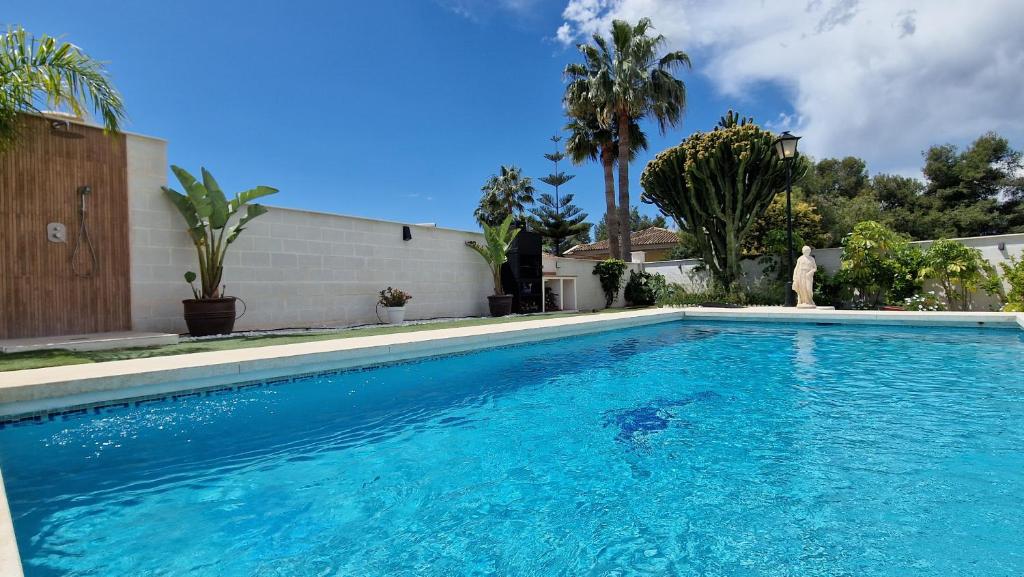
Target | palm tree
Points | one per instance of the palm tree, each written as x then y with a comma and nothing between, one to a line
46,72
505,194
627,80
588,140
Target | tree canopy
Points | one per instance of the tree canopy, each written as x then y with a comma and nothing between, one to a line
715,185
767,236
588,140
621,81
637,222
559,221
971,192
505,194
555,217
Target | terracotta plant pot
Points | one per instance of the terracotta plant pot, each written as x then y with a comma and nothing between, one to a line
210,316
396,315
500,305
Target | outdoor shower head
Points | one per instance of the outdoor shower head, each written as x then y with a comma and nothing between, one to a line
62,128
85,189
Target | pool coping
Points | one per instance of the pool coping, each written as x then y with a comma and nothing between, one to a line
36,391
46,389
882,318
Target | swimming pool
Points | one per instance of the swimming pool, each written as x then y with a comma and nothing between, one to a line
684,448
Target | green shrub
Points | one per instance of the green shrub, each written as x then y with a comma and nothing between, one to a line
831,289
1013,273
880,263
904,271
764,293
610,273
639,289
677,295
959,270
659,285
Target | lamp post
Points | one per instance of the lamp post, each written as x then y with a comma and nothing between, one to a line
785,148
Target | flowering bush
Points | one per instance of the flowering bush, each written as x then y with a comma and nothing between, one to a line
923,302
392,297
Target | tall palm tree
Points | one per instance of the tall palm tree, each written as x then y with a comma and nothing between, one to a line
627,80
505,194
46,72
588,140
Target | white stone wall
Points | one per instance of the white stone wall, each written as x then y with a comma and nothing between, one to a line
589,295
149,225
681,272
687,272
296,268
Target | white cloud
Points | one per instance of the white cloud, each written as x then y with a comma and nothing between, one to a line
880,79
481,9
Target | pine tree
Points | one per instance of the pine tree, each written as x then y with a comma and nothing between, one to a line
556,218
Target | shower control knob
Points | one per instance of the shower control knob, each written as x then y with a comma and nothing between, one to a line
56,232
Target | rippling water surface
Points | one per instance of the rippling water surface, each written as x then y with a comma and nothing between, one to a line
680,449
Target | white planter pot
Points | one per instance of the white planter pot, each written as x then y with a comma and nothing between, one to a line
396,315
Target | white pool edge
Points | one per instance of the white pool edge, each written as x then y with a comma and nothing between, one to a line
174,373
37,391
10,559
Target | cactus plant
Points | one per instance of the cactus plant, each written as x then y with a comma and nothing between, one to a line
715,185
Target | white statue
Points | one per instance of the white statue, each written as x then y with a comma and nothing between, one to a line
803,279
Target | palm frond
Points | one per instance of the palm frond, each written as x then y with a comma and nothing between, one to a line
44,71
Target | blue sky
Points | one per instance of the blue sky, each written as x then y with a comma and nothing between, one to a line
395,109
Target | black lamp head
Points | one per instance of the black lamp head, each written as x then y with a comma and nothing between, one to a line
785,145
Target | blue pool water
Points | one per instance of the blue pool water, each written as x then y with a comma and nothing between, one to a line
678,449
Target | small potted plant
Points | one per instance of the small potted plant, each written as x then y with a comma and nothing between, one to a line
207,212
393,300
494,251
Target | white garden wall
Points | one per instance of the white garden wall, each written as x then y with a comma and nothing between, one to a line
589,295
688,272
296,268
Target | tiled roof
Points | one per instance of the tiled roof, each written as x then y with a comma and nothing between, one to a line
654,237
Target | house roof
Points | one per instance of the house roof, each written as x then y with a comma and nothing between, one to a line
648,238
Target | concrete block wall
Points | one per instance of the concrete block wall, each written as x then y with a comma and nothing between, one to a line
589,294
296,268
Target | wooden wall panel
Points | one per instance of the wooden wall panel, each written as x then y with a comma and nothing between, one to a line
39,180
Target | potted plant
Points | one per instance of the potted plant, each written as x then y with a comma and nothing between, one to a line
393,300
207,212
494,250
